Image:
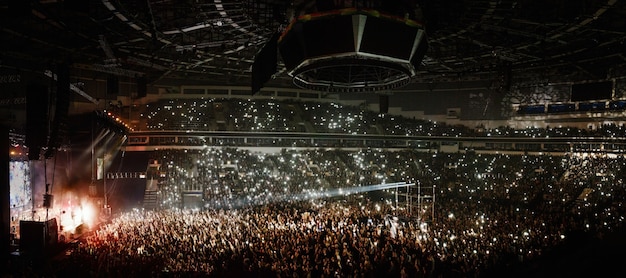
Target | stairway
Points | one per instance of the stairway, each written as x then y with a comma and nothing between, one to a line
150,199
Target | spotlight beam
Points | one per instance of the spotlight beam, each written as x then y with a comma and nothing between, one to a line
93,144
322,194
352,190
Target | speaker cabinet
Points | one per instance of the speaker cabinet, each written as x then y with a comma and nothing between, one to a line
58,128
142,87
383,102
36,119
113,85
37,237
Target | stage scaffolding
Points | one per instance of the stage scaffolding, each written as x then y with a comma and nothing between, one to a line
418,200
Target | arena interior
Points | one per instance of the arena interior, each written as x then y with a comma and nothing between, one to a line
313,138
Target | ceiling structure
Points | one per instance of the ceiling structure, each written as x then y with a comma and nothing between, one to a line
214,42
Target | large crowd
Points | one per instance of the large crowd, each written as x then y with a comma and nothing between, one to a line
312,212
271,215
223,114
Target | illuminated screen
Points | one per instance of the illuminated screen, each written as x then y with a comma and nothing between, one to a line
19,184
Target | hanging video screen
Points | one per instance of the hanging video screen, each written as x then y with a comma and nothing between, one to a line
20,190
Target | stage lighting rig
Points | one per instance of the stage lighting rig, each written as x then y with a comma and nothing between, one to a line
108,121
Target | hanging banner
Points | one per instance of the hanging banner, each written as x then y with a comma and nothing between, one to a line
100,168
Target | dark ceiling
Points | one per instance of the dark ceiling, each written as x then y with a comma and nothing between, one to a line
175,42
